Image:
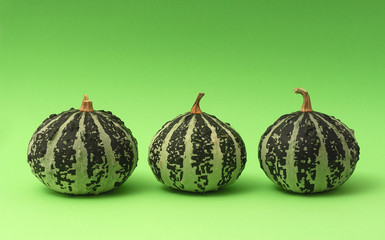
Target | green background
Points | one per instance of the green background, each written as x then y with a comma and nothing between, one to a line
146,61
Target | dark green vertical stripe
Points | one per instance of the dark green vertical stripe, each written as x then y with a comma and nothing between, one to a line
277,146
64,154
306,152
120,144
175,149
227,147
156,147
97,167
348,138
268,130
237,138
39,141
202,154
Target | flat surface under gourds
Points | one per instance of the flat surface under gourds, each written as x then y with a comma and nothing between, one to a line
145,61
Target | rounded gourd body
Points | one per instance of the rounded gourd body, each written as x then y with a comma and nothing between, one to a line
82,152
196,152
308,152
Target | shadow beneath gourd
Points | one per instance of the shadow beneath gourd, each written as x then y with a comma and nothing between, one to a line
356,185
241,186
129,188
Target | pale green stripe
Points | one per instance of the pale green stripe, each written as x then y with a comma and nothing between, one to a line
49,157
81,161
129,137
291,170
188,170
150,155
107,182
346,162
164,172
264,149
217,161
160,131
238,158
40,131
322,169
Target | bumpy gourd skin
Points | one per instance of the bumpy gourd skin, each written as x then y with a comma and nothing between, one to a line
79,152
307,152
197,153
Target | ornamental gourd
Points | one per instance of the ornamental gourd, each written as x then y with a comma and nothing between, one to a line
196,152
82,151
308,151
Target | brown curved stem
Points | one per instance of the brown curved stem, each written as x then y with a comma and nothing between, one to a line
86,105
306,106
195,108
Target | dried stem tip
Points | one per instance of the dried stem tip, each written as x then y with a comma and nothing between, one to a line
86,105
306,106
195,108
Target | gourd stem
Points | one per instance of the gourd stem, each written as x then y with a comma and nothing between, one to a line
306,106
86,105
195,108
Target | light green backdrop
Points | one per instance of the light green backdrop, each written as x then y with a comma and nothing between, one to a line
146,61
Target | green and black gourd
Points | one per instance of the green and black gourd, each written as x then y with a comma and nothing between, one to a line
197,152
82,151
308,151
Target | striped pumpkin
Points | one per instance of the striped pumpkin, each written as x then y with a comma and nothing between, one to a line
196,152
308,151
82,151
